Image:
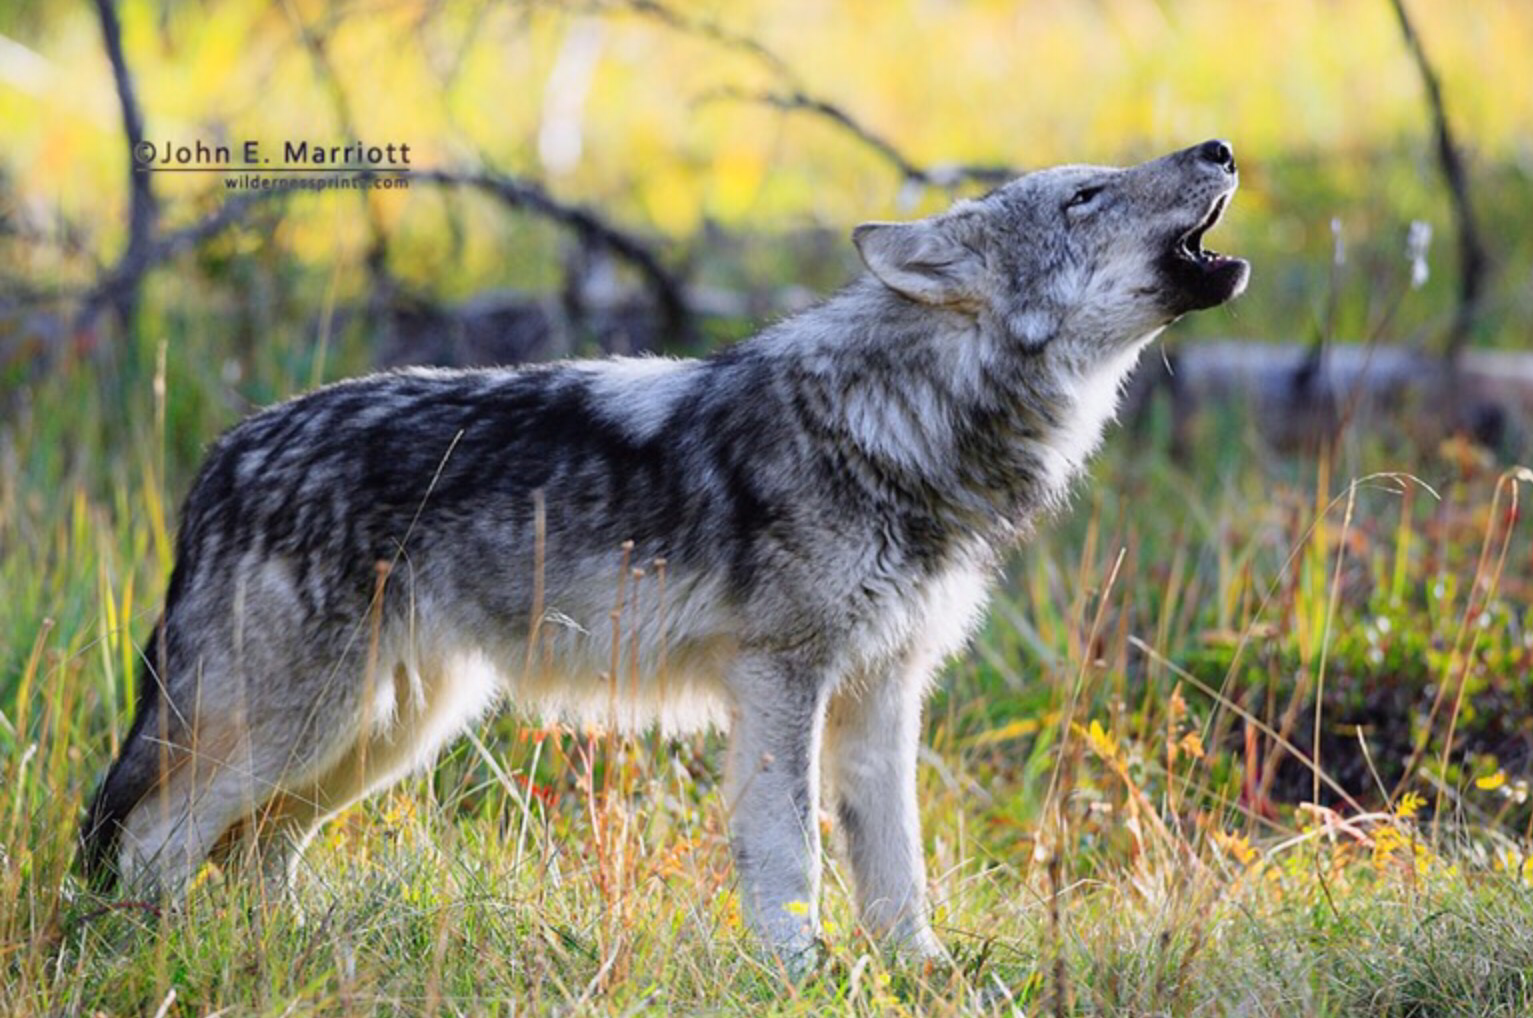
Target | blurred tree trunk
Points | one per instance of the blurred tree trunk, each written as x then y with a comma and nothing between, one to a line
120,289
1474,263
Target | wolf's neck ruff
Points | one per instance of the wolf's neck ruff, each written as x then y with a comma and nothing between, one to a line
963,425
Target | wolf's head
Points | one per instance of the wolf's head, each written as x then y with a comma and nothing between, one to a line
1086,256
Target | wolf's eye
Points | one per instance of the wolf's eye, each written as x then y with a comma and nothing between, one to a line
1084,196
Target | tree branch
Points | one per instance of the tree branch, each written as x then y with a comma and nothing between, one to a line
142,209
1473,260
316,44
527,196
590,228
122,282
798,101
710,30
793,97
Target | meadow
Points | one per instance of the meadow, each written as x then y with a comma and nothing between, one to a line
1126,810
1246,731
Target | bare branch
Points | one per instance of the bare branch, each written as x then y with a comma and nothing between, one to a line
123,280
231,213
316,43
796,101
705,29
142,209
794,97
591,228
1473,260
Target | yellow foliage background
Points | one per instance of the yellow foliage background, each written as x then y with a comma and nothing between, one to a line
1018,84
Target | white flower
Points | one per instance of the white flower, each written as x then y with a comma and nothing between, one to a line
1417,239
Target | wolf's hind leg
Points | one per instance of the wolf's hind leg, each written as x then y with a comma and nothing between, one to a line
423,717
872,740
202,786
277,834
209,757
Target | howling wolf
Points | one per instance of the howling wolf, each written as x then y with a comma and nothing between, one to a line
818,513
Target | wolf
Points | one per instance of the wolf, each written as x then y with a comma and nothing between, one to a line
796,533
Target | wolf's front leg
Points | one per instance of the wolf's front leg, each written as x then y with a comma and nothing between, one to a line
772,792
872,744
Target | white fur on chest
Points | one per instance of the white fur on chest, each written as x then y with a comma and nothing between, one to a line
1094,395
931,619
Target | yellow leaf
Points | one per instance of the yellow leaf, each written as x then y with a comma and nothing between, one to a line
1409,805
1102,743
1013,730
1491,782
1386,841
1237,845
731,910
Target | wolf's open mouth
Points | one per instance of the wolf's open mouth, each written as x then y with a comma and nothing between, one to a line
1197,277
1190,244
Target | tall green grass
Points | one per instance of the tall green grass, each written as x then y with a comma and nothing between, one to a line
1124,809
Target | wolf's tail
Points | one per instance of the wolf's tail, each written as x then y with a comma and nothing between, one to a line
133,775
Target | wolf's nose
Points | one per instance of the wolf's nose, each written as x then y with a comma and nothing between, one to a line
1219,153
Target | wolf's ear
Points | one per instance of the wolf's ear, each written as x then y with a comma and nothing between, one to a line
921,260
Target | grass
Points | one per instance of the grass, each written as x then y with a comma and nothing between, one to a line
1114,797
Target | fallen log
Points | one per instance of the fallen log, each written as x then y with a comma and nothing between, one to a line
1296,402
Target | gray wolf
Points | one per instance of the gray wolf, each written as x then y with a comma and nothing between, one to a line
364,570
